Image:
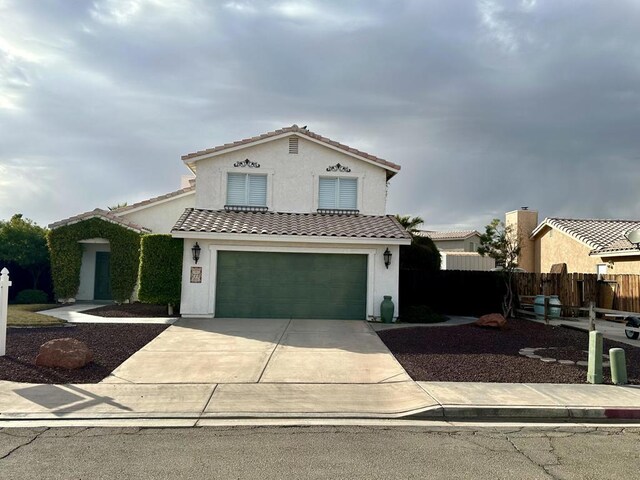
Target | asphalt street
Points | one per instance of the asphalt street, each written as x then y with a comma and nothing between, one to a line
320,452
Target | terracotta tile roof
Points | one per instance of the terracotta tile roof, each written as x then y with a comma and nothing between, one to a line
294,224
451,235
301,131
602,235
149,201
103,215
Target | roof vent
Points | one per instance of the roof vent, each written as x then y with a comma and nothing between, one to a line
293,145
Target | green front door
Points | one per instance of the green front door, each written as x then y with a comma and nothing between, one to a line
291,285
102,285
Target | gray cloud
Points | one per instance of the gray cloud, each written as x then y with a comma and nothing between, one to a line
487,105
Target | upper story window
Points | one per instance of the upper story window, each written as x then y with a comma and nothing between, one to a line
338,194
246,190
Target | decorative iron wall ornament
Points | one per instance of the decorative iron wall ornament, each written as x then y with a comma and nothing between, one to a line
246,163
338,168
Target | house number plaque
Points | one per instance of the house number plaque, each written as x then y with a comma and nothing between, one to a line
196,274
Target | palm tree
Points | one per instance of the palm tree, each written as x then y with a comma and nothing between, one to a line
410,223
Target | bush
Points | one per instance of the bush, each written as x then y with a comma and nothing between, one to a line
422,254
31,296
160,269
66,256
421,314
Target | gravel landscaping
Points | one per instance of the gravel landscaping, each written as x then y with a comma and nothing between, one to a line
468,353
111,344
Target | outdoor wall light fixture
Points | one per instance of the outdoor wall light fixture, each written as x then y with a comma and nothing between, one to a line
387,258
195,251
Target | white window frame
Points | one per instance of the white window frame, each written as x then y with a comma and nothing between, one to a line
246,193
337,179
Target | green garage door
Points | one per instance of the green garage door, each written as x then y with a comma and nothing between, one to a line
291,285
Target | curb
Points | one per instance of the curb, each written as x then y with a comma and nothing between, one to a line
442,413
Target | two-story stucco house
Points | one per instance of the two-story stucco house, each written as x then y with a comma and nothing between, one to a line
288,224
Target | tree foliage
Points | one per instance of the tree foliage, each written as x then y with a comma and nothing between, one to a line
502,243
410,223
422,254
24,243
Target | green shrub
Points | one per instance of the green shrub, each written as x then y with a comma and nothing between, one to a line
160,269
422,254
31,296
421,314
66,256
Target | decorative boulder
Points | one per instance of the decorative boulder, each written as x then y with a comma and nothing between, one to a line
66,353
492,320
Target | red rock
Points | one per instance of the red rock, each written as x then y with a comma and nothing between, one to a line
492,320
66,353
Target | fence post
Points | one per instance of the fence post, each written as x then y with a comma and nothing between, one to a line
592,316
546,310
5,283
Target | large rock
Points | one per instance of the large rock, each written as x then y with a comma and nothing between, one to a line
64,353
492,320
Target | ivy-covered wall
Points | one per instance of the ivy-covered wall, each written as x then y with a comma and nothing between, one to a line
66,256
160,269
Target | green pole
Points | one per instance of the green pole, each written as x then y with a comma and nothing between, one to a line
618,366
594,371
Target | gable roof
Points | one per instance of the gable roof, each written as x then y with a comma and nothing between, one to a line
290,224
102,215
450,235
151,201
191,158
603,236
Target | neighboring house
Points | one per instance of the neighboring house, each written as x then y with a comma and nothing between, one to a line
288,224
454,241
585,245
466,261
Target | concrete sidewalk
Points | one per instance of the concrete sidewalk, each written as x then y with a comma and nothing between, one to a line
191,404
609,329
199,371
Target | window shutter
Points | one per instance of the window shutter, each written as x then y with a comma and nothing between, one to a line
257,190
348,193
327,193
236,189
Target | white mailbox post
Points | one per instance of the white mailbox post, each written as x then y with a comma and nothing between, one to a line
5,283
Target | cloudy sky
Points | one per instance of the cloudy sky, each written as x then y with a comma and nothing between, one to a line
488,105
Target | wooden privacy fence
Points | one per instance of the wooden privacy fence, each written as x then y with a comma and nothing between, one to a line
620,292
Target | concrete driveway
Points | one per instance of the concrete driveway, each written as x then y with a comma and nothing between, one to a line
223,351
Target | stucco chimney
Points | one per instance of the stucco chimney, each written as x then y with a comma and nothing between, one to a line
524,222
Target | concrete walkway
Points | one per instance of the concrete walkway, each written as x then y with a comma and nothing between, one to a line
609,329
73,314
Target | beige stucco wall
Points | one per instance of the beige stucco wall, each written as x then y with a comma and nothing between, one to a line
554,246
160,217
621,265
524,222
292,179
